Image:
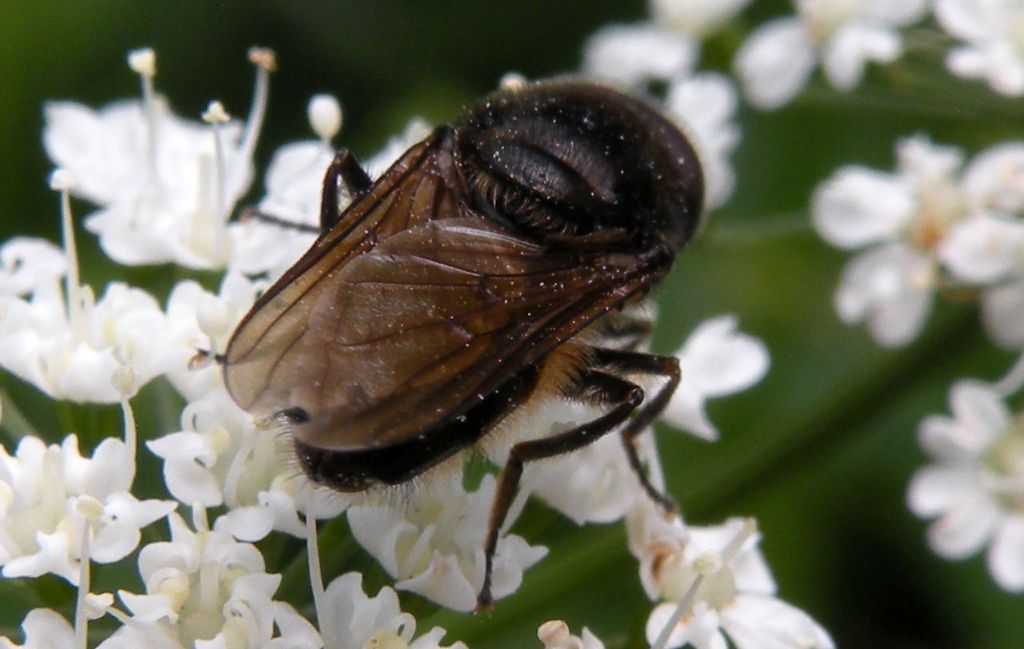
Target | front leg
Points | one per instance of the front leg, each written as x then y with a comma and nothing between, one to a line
353,179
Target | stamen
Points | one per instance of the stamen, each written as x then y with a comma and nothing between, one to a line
91,510
324,113
736,544
61,180
1013,381
212,318
316,579
215,115
124,381
682,608
266,62
199,521
143,63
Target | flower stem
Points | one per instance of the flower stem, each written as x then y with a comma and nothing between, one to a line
316,579
84,586
73,287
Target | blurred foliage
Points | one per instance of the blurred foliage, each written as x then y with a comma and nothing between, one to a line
821,452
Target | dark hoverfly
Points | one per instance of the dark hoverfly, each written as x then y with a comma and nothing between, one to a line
487,267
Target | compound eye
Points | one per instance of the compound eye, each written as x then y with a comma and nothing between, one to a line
554,163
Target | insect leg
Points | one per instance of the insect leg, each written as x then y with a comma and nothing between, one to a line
253,213
354,180
630,362
592,387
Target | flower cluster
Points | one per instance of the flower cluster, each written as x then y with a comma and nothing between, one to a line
166,190
934,224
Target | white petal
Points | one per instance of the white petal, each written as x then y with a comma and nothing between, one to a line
295,631
187,457
1006,556
704,105
444,583
53,556
631,54
686,412
657,620
718,360
979,411
25,262
937,489
964,529
994,180
762,622
963,18
246,523
852,47
900,13
595,484
775,62
890,287
696,18
858,206
983,248
1002,310
43,629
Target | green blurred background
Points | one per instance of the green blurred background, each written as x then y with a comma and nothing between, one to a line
821,452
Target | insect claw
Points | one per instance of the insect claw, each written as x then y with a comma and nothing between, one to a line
484,603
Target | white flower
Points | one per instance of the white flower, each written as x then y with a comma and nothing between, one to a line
975,486
27,263
555,635
928,225
199,320
663,48
64,342
205,589
777,59
43,629
715,361
220,458
736,594
905,217
434,543
994,41
360,621
75,356
40,525
165,186
705,106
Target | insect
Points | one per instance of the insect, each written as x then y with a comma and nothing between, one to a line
488,267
